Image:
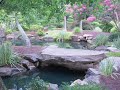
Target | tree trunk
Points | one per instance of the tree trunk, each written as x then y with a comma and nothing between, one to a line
65,23
25,37
2,86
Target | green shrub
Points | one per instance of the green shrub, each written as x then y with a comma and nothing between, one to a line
114,36
101,40
76,29
106,27
8,31
40,32
59,25
7,56
64,35
26,28
114,30
106,67
91,86
37,84
114,54
36,27
116,43
56,34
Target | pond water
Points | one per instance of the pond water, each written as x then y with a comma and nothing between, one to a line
56,75
73,45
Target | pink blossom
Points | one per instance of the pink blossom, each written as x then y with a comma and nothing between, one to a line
91,18
84,6
75,6
75,15
71,10
80,13
112,6
110,9
107,2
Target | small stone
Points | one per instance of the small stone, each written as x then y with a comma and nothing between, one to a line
113,49
79,82
48,39
8,71
53,87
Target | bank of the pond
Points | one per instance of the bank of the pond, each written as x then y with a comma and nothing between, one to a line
55,75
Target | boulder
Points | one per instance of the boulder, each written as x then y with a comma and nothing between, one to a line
9,71
78,59
102,48
28,65
2,86
10,37
93,79
88,36
75,38
33,58
91,72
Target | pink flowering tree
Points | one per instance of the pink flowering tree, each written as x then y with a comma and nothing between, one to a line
80,13
113,9
77,11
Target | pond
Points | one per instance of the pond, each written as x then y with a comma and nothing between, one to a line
54,74
73,45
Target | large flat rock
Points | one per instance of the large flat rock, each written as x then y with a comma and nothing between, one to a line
78,59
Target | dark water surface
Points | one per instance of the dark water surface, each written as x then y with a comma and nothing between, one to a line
70,45
55,75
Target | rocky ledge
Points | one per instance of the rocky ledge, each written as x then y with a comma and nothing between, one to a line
76,59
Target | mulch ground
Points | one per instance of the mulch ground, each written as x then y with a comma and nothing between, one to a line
111,83
28,50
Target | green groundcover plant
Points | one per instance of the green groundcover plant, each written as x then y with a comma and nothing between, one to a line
114,54
37,84
7,56
100,40
116,43
106,67
91,86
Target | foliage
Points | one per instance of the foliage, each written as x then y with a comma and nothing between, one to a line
8,31
35,27
7,56
56,34
106,67
59,25
101,40
114,54
76,29
106,26
114,36
116,43
40,32
37,84
82,87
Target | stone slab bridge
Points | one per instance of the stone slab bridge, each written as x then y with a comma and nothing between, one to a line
74,59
